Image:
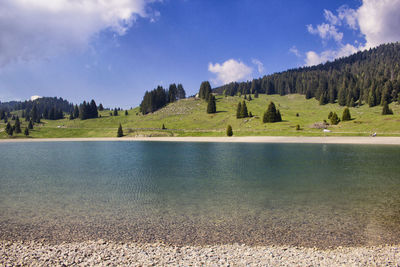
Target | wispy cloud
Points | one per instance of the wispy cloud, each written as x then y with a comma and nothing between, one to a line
32,29
259,64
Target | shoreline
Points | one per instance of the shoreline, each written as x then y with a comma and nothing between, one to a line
244,139
101,252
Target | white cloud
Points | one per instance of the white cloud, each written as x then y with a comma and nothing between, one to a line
259,64
230,71
326,32
34,97
313,58
379,21
348,15
33,29
295,51
331,18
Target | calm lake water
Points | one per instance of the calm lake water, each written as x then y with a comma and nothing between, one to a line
201,193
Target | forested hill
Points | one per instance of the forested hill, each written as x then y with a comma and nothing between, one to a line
42,104
371,76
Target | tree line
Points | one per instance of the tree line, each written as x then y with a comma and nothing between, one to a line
160,97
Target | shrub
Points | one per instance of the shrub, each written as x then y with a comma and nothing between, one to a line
346,115
229,131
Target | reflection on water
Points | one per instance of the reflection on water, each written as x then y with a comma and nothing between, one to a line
201,193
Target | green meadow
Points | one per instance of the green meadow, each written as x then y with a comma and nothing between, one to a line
188,117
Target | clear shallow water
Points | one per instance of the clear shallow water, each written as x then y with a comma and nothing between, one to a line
201,193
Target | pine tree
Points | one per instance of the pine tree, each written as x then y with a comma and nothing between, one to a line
101,108
172,93
205,90
93,113
256,94
298,127
334,119
163,127
229,131
17,125
249,98
76,112
115,112
211,106
26,132
120,132
181,92
71,115
272,115
8,129
245,97
238,111
250,114
342,98
126,113
243,110
330,115
346,115
30,125
386,110
35,114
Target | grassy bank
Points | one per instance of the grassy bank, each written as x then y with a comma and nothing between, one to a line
188,118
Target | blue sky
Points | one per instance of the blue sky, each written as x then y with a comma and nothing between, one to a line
116,51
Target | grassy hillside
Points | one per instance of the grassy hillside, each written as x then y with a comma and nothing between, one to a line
188,118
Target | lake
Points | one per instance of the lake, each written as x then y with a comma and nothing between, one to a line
201,193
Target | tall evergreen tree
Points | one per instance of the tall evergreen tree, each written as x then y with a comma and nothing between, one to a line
76,112
115,112
26,132
9,129
35,114
346,115
126,113
172,93
239,110
243,110
181,92
205,90
211,106
17,125
120,132
101,108
30,125
93,113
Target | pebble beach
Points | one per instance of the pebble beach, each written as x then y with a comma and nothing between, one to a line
102,253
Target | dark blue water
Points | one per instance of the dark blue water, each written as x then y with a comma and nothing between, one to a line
201,193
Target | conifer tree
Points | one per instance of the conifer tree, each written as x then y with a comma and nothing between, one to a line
386,110
17,125
8,129
115,112
334,119
229,131
256,94
30,125
330,115
250,114
172,93
211,106
71,115
272,115
120,132
238,111
346,115
163,127
93,113
205,90
101,108
243,110
181,92
249,98
35,114
26,132
126,113
76,112
342,97
298,127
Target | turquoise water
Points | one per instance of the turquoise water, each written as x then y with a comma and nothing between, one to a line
201,193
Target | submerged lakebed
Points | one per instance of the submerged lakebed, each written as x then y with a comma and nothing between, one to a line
183,193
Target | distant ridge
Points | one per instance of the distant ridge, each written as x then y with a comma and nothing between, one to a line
42,103
371,76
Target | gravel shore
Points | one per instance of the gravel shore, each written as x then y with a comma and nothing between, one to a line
95,253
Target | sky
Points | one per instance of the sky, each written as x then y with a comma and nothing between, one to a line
114,50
